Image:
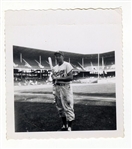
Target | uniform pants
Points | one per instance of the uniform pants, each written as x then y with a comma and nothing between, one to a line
64,101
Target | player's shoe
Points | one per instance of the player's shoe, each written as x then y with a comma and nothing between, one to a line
63,128
69,129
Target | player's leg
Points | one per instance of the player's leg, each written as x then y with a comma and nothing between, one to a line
70,125
65,124
67,103
59,107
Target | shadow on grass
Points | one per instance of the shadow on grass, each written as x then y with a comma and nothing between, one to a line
33,117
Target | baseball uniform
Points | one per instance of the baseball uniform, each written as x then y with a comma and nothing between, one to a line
63,92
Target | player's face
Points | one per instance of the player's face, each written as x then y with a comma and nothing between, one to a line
59,58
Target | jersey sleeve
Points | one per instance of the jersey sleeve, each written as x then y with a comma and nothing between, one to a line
69,67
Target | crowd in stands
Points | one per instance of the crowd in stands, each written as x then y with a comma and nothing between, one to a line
48,80
30,81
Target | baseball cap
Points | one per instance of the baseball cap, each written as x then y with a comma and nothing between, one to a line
59,52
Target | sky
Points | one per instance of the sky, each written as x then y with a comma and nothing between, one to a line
79,31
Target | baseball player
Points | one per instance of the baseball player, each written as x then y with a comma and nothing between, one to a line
62,75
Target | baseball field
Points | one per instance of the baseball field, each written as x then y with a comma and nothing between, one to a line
95,108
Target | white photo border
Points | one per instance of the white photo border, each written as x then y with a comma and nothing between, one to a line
126,13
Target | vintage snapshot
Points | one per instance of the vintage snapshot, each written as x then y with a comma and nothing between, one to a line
64,73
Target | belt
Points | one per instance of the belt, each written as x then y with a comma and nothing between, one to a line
61,84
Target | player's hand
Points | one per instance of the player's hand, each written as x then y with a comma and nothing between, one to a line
53,77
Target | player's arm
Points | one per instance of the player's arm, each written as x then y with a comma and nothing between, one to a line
53,76
67,78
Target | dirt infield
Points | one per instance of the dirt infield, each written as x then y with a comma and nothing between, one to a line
95,108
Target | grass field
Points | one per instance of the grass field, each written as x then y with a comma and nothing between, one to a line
95,108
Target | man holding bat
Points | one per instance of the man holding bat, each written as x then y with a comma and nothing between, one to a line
62,75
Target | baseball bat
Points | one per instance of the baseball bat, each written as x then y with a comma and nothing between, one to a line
51,67
50,63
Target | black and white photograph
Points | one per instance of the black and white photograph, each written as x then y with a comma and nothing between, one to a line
65,72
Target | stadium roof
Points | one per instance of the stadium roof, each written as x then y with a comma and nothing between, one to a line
33,52
31,55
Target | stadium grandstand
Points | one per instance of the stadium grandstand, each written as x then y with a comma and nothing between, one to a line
31,65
